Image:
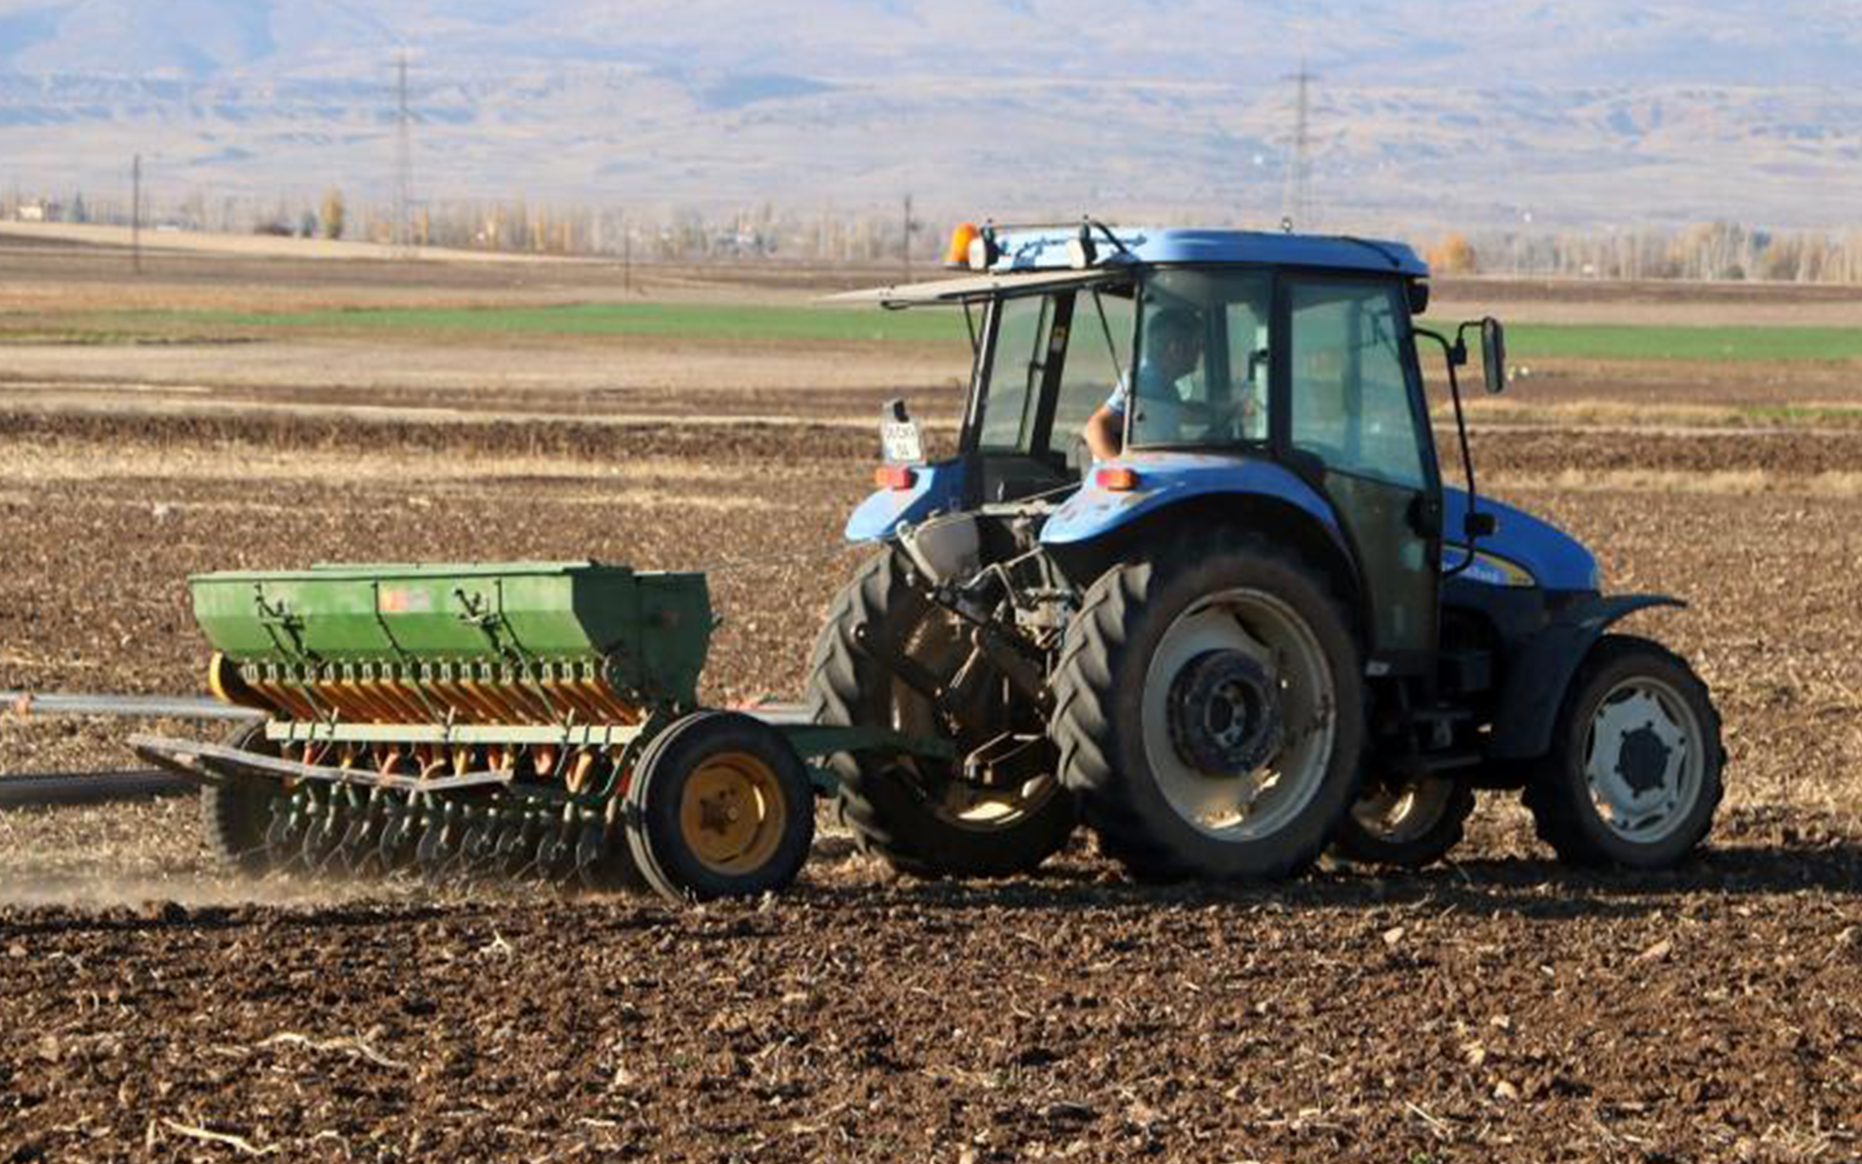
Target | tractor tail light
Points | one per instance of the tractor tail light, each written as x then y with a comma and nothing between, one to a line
894,477
1116,480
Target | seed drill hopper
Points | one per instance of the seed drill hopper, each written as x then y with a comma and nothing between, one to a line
532,719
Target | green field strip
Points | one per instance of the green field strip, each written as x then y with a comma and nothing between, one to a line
1634,342
716,321
736,322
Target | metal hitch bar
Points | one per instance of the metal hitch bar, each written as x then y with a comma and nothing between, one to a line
217,763
31,703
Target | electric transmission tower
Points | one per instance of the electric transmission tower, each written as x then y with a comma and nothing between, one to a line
1296,197
905,247
403,165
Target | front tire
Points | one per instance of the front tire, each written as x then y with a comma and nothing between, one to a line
1210,712
1634,773
920,815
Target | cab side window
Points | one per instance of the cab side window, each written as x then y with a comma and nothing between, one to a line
1015,374
1351,402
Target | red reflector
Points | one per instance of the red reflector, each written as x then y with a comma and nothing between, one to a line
1116,480
894,477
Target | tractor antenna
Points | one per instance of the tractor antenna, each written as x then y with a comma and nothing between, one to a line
1296,197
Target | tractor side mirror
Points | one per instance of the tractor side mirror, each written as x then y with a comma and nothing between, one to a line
1493,354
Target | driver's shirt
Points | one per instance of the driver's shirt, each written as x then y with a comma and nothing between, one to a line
1163,414
1165,410
1152,385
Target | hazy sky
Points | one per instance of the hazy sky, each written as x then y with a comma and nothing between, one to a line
1404,42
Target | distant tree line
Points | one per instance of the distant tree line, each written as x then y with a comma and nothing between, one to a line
1717,251
1707,251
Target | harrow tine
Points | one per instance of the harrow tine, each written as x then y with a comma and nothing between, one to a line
478,852
590,849
323,837
393,850
554,857
356,849
516,847
355,854
456,863
282,838
436,847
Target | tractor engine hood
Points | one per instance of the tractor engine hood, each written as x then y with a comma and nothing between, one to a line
1522,551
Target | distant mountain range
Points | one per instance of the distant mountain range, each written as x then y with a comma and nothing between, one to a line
1485,113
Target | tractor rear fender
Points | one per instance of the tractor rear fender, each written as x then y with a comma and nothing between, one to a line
1539,671
1159,480
1097,528
933,487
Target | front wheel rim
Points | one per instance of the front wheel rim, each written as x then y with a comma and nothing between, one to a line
1244,806
1644,762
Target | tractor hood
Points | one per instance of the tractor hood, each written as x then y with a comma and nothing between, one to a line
1523,550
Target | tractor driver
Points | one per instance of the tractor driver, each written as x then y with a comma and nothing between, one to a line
1173,347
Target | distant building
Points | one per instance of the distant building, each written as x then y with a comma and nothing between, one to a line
40,210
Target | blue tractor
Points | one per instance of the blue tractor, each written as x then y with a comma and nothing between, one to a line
1192,576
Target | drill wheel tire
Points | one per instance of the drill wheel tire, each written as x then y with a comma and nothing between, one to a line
235,817
1634,773
719,806
1407,825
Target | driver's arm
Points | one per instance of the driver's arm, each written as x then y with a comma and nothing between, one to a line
1105,432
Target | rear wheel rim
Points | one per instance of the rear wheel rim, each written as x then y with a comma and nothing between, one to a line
732,813
1244,806
1644,763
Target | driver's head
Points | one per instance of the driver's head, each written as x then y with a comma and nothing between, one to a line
1175,341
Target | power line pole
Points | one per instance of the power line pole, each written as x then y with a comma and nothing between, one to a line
905,243
403,164
1296,198
135,213
627,255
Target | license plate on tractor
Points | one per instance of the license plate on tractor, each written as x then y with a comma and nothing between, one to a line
900,443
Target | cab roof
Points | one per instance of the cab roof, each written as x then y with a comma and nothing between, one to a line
1036,248
1036,260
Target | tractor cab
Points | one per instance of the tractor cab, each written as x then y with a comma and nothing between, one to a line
1216,362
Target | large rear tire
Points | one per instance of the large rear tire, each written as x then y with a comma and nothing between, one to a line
1210,711
920,815
1634,774
234,816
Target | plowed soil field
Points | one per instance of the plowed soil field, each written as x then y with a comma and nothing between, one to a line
1500,1007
